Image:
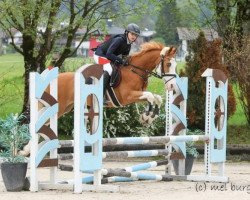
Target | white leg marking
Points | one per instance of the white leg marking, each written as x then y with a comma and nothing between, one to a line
149,96
158,100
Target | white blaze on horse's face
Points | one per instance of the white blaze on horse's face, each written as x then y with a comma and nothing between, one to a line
163,53
170,80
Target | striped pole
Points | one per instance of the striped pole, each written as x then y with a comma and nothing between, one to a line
138,167
134,154
138,176
144,140
125,177
122,154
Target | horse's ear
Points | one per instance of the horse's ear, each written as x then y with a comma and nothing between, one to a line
172,51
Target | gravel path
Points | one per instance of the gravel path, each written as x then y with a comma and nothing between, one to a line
237,188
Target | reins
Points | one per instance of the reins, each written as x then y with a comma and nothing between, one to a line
151,73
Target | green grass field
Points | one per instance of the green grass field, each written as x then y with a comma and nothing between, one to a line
11,82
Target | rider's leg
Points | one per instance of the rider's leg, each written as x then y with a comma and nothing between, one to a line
107,70
106,76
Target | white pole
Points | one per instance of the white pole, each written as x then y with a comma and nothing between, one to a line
34,135
53,126
207,148
77,134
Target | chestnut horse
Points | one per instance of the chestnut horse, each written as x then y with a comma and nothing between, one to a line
134,78
134,81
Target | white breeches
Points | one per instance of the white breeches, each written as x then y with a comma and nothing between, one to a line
105,62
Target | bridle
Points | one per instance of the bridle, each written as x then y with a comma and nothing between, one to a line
151,73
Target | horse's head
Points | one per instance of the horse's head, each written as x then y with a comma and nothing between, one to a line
167,66
153,55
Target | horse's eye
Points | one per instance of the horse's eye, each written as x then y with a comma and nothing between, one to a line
169,64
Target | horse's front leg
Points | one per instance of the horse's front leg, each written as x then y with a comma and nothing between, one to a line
152,111
154,103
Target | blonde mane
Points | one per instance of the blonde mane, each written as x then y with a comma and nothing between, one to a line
148,46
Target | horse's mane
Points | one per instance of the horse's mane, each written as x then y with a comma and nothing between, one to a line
148,46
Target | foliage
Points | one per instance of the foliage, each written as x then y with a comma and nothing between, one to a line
190,146
120,122
205,54
13,135
160,40
66,124
124,122
168,20
238,59
231,20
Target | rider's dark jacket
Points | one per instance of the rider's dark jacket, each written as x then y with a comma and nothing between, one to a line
114,47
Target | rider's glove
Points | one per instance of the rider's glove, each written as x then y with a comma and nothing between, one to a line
125,62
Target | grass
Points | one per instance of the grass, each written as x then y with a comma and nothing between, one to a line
238,118
11,82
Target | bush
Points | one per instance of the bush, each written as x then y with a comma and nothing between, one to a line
205,54
120,122
124,122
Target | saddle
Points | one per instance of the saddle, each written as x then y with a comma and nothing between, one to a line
115,80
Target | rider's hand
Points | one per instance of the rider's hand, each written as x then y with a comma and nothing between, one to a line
125,62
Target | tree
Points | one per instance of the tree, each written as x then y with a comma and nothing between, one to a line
233,24
205,54
231,20
45,23
168,20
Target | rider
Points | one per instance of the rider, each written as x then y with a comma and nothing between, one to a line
110,50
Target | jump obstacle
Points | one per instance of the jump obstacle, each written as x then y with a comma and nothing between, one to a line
91,162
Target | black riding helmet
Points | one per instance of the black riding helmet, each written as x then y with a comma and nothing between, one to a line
133,28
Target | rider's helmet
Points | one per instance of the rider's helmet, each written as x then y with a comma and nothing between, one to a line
133,28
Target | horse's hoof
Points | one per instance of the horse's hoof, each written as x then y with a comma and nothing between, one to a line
158,100
144,118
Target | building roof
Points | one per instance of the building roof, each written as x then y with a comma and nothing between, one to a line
114,30
147,33
191,34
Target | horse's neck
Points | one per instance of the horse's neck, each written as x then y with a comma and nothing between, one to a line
147,61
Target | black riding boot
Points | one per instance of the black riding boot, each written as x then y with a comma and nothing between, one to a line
106,81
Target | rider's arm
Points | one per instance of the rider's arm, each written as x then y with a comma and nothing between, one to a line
112,48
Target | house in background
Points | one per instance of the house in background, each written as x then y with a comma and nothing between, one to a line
18,37
97,37
185,35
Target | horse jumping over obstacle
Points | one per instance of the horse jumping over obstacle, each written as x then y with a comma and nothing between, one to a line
134,78
134,81
91,162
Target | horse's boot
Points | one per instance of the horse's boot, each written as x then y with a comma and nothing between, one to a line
106,82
